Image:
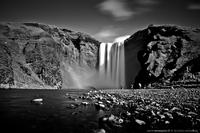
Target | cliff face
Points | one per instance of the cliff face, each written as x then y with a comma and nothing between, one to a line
40,56
163,55
36,56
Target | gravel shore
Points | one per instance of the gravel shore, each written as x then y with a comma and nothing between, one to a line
149,110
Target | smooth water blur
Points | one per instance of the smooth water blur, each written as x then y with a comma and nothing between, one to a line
18,114
112,65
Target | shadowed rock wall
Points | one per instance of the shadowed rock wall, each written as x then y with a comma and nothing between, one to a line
163,55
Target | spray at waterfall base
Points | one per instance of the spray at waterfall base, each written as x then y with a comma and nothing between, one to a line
110,72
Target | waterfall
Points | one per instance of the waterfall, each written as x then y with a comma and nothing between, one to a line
112,64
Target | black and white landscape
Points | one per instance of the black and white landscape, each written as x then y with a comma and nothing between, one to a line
104,66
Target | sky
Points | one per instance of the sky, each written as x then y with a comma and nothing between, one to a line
105,20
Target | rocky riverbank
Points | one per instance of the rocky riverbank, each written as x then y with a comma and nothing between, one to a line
100,111
146,110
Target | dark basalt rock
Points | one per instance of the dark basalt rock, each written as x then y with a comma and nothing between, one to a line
166,55
34,55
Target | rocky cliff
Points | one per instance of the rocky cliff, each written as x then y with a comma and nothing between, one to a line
163,56
39,56
34,55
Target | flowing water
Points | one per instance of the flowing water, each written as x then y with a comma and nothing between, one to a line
110,73
112,64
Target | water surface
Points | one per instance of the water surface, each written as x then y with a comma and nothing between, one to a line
18,114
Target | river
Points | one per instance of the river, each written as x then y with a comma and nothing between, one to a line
19,114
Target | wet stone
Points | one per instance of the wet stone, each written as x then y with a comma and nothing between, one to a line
153,113
168,115
175,109
140,122
167,122
192,113
162,116
128,113
111,117
37,101
180,114
99,106
100,131
85,103
71,106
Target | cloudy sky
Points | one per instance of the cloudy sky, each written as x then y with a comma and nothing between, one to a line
103,19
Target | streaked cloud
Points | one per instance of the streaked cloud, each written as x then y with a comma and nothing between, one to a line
125,9
194,6
117,8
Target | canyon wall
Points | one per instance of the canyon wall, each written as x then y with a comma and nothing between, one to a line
39,56
163,55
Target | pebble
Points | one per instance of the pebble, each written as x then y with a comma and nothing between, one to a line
187,109
100,102
152,113
99,106
180,114
165,109
175,109
162,116
157,104
120,121
115,121
71,106
108,101
136,112
128,113
140,122
192,113
168,115
102,106
105,119
85,103
111,118
37,101
167,122
100,131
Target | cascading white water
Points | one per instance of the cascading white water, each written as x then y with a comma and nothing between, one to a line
111,72
112,64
